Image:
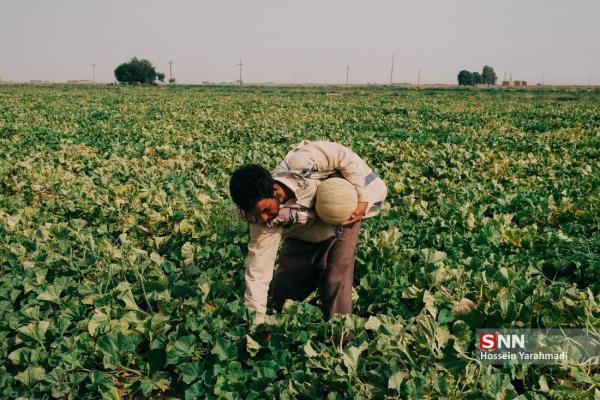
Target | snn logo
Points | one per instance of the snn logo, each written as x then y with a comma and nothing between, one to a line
493,341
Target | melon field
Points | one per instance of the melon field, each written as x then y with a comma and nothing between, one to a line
122,259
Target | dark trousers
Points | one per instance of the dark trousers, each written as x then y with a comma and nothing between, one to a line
327,266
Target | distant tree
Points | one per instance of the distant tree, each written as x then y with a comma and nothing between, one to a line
465,78
476,78
172,80
488,75
138,71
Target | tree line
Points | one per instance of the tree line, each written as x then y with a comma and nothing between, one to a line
137,71
486,77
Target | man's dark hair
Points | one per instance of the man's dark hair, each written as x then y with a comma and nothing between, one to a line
249,184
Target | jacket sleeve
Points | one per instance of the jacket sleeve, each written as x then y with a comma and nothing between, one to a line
262,251
289,216
328,156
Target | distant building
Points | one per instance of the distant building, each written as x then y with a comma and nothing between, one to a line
80,81
512,83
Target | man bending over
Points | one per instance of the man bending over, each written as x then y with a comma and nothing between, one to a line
314,255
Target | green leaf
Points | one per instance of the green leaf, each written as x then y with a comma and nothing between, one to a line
266,369
445,316
194,392
59,383
157,258
309,350
395,380
185,226
114,347
372,323
16,356
544,388
98,323
111,393
415,388
129,301
191,371
583,377
31,375
433,256
204,286
411,292
183,348
503,271
224,350
350,358
146,386
429,301
110,350
158,381
187,253
441,336
252,346
36,331
78,224
53,291
470,221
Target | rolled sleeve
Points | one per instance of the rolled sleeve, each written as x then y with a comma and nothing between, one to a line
260,262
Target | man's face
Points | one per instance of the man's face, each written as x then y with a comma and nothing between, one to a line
266,209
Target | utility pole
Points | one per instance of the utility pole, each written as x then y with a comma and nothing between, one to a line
94,73
543,78
504,75
419,79
347,71
392,71
240,64
170,71
590,80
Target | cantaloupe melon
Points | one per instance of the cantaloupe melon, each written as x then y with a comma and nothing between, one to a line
336,200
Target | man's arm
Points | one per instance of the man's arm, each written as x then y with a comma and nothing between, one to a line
325,156
285,218
262,252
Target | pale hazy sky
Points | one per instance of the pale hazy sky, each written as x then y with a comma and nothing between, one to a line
303,41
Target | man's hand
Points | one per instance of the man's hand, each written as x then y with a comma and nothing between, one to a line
358,214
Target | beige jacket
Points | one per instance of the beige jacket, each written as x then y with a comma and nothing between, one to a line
302,169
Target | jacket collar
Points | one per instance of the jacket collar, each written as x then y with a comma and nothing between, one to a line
303,196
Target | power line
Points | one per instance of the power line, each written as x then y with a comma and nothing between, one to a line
392,71
240,64
347,70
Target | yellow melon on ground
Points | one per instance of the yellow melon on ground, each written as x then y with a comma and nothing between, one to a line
336,200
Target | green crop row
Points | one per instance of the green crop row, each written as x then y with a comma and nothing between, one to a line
122,258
